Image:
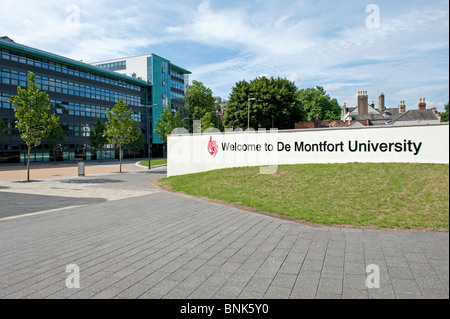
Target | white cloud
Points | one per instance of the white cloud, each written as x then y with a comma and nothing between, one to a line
310,42
396,56
105,29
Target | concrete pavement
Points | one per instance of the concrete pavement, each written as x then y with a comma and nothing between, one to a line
130,239
39,171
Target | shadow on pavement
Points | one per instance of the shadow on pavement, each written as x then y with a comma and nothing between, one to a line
30,182
14,204
152,172
91,181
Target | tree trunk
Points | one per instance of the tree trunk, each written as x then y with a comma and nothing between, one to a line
28,163
54,155
120,157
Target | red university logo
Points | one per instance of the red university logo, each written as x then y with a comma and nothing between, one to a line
213,148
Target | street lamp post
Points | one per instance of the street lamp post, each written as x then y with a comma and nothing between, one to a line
148,108
248,119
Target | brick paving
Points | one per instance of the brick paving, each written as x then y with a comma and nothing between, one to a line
131,239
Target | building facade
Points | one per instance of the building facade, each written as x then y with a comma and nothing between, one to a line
368,115
80,94
168,84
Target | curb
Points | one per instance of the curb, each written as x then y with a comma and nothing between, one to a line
155,166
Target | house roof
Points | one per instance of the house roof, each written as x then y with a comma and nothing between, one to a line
393,114
417,115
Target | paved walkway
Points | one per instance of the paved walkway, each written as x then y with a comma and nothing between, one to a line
131,239
48,170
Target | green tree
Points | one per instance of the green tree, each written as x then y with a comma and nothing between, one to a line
33,119
316,103
166,124
55,136
121,128
200,100
275,105
444,115
209,120
97,137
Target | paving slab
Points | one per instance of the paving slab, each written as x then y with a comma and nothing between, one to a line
131,239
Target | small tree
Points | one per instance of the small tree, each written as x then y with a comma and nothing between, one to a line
33,120
121,128
97,137
167,123
444,115
209,120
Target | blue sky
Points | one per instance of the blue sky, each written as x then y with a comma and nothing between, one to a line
325,43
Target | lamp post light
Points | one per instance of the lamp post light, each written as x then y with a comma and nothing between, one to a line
248,119
149,107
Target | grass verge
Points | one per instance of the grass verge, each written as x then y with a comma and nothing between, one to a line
156,161
387,195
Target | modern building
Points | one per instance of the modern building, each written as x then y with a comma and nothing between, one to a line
80,94
168,84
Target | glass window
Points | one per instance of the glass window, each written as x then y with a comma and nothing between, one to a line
5,55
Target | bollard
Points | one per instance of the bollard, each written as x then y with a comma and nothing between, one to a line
81,167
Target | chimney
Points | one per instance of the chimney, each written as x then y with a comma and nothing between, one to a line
381,105
422,104
344,111
363,103
372,105
402,107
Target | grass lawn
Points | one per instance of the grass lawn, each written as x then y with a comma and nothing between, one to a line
156,161
395,196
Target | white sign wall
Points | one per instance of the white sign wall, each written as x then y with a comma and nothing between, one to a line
196,153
